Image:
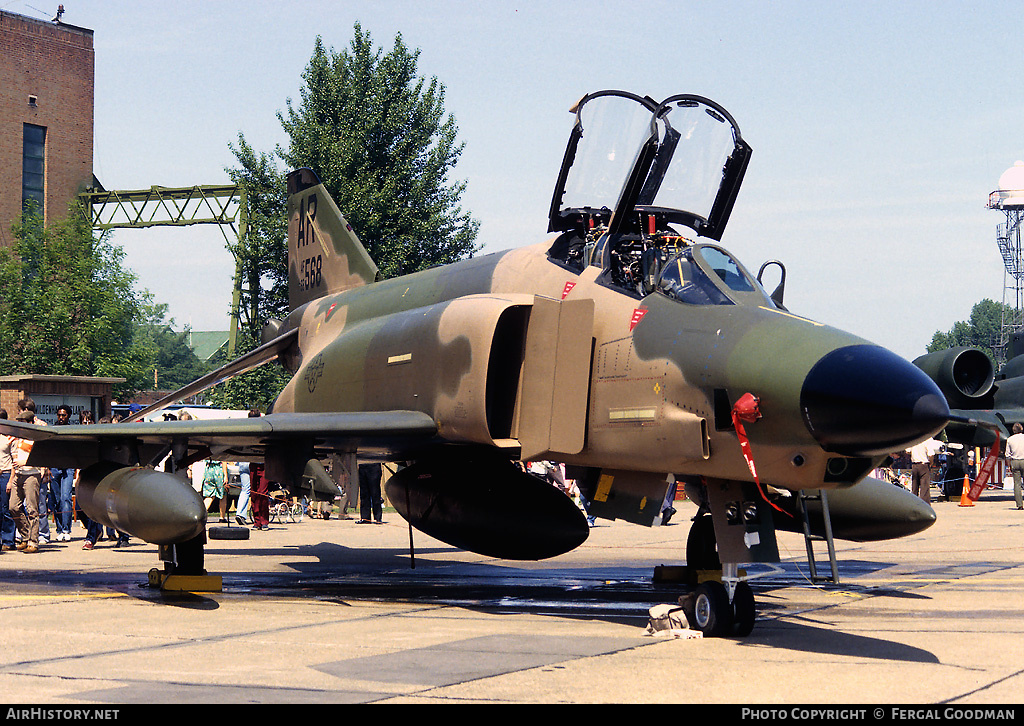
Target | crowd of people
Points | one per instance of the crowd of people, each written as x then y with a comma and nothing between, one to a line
212,479
30,496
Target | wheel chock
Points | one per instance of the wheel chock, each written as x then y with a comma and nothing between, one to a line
185,583
192,583
228,533
671,573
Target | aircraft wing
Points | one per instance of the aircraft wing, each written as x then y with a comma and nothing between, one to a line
311,435
977,427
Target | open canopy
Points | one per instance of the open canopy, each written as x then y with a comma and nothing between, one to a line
630,158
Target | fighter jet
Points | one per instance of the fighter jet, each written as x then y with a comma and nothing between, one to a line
629,346
982,402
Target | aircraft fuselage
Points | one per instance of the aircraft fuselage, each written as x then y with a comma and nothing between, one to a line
658,383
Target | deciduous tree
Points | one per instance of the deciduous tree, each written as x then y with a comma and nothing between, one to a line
69,307
378,136
981,330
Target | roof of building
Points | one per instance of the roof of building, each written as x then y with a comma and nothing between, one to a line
205,343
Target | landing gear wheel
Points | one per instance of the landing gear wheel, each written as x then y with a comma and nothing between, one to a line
743,610
701,546
189,556
712,612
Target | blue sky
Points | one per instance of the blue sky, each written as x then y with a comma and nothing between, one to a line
878,129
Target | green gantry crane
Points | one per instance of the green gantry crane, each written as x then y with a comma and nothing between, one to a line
223,205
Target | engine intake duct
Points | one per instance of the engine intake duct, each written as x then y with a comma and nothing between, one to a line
965,375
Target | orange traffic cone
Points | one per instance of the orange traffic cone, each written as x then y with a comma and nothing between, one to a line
965,501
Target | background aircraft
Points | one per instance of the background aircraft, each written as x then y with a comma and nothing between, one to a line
980,401
629,347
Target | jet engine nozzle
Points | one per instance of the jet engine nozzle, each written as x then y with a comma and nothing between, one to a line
152,505
863,400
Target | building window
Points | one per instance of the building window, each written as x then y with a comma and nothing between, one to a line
33,167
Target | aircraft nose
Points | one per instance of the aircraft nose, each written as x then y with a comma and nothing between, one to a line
863,400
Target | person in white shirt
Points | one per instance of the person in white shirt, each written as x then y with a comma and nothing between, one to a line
921,457
7,528
1015,453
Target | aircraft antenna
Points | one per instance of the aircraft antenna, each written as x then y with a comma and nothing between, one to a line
1009,199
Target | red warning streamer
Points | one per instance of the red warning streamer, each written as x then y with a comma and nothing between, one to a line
747,409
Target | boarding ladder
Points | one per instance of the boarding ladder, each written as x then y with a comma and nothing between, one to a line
809,538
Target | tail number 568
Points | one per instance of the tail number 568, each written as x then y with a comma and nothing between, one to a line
309,272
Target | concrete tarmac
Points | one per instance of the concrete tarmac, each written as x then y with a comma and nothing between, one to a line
333,612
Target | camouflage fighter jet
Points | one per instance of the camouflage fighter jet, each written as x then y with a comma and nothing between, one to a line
628,346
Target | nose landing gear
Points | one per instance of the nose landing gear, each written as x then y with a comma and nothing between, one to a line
737,529
717,614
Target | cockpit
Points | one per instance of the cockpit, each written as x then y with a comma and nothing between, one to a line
640,181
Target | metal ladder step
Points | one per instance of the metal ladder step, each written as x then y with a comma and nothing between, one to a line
809,538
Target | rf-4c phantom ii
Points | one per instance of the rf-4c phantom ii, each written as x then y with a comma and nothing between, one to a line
629,346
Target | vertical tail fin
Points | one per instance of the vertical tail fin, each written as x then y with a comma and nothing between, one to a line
324,254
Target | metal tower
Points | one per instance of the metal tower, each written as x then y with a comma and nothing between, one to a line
1009,198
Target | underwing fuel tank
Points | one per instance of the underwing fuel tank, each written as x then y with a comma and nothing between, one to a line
870,511
152,505
488,506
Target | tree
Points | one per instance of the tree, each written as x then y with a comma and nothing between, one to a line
262,259
377,136
68,307
982,330
174,362
256,389
262,253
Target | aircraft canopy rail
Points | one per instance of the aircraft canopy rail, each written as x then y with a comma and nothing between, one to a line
703,274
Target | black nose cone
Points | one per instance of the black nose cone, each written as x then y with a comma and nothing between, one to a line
863,400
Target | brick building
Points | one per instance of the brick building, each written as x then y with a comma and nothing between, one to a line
80,393
47,73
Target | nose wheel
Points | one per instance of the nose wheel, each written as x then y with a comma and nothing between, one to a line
743,612
716,616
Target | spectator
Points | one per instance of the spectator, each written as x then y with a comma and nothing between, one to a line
25,491
215,478
62,483
259,499
7,528
370,500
